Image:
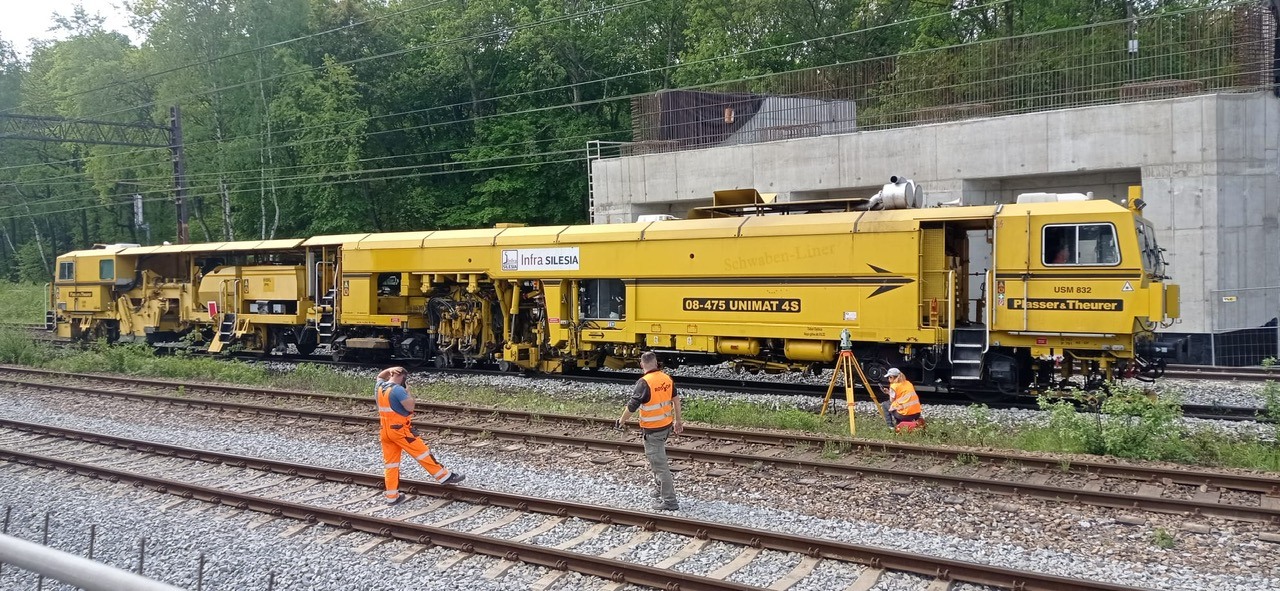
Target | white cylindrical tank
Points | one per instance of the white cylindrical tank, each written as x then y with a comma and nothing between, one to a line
899,193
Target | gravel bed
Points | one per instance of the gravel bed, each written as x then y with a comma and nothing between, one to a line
712,557
485,517
523,524
896,581
830,574
568,530
768,567
1010,418
1190,391
555,477
607,540
236,556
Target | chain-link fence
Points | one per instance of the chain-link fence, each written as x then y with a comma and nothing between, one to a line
1244,322
1224,47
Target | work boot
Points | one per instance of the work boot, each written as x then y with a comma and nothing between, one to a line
400,498
661,506
454,478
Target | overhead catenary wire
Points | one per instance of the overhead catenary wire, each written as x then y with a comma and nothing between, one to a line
78,178
765,75
219,58
348,173
307,185
398,52
1078,90
602,80
490,33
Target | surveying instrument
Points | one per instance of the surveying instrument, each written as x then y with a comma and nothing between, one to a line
846,364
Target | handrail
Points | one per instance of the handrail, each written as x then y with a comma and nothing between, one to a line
951,311
222,299
319,279
986,337
73,570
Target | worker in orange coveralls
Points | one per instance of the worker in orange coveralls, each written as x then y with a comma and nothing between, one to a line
395,412
903,405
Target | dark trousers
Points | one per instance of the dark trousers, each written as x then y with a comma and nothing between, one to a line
655,449
893,417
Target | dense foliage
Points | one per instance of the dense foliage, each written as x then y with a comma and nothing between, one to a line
304,117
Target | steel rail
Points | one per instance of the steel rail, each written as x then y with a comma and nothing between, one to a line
942,568
938,396
1042,491
1190,477
614,570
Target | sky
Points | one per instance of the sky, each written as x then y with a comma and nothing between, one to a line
21,20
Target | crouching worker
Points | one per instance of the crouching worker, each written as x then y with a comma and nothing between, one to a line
395,413
903,405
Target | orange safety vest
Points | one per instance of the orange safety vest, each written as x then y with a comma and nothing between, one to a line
657,413
905,400
387,416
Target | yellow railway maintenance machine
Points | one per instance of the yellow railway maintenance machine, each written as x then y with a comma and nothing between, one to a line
253,295
998,298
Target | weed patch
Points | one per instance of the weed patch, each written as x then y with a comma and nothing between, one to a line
22,303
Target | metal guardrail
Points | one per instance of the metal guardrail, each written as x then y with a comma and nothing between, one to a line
73,570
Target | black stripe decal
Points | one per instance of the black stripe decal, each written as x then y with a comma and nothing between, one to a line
1038,275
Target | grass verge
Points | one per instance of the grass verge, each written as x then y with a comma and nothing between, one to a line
21,303
1129,425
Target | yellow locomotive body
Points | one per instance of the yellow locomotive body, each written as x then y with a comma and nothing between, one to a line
774,292
1000,297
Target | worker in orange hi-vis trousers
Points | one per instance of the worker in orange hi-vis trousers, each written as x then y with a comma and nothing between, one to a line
395,413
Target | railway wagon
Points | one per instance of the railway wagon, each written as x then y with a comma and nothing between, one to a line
1000,297
251,295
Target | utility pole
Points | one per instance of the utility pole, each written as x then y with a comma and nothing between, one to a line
179,172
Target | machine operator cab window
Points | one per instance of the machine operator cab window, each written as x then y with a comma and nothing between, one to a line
602,299
67,271
1080,245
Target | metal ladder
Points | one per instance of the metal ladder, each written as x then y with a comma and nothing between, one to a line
326,326
596,150
226,332
969,344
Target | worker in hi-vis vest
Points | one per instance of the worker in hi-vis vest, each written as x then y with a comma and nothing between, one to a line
655,397
395,415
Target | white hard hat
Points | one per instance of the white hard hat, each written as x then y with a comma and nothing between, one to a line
892,373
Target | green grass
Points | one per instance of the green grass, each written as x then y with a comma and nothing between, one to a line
21,303
1133,429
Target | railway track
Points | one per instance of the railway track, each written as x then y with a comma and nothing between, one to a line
347,496
1182,371
1212,372
1187,492
936,395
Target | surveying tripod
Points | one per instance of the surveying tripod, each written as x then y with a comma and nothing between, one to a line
846,364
